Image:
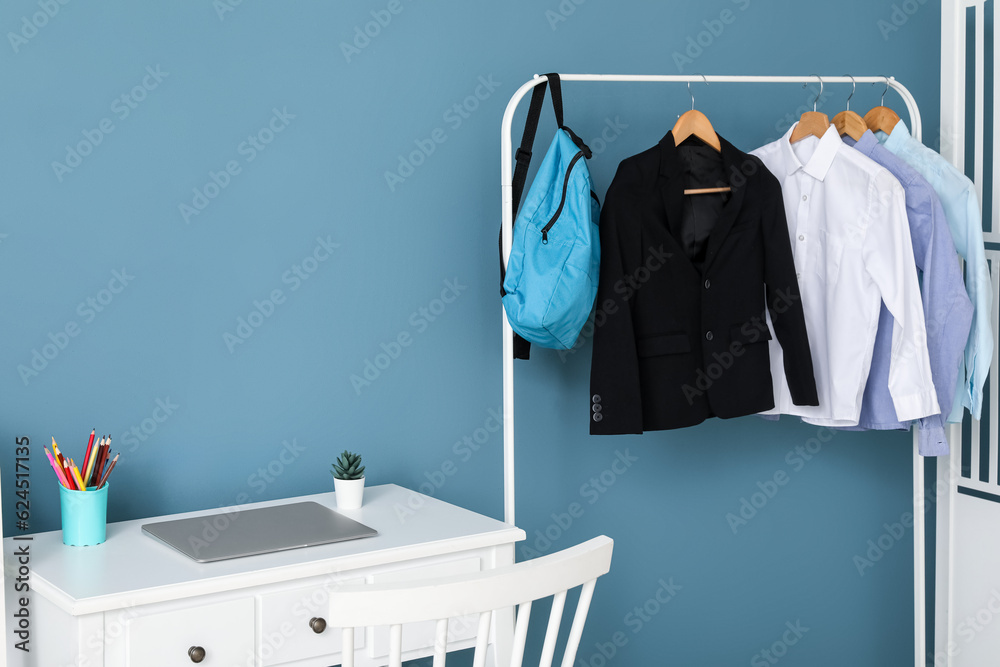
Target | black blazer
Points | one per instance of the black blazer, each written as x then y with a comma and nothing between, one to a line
680,331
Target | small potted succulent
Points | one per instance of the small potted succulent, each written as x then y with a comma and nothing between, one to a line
349,480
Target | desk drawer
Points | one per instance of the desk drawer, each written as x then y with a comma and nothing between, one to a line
286,632
224,631
417,636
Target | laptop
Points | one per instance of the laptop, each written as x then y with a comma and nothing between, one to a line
256,531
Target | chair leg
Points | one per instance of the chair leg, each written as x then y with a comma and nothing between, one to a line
503,637
552,631
441,643
482,639
579,619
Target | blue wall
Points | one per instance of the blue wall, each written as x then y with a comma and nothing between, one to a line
375,256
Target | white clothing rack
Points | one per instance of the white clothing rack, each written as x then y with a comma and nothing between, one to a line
506,175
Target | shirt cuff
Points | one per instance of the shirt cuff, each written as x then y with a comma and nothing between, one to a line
916,406
931,440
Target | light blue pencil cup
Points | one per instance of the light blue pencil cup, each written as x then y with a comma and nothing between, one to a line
84,516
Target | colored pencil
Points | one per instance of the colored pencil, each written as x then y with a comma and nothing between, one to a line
108,473
102,459
55,466
76,476
55,450
88,459
88,465
69,476
95,469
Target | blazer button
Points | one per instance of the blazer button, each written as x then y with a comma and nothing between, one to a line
597,407
598,416
596,398
709,336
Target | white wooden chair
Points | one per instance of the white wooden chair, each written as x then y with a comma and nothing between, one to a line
361,605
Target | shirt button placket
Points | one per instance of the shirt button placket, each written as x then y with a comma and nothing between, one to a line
799,251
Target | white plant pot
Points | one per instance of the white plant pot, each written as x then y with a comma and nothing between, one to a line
350,493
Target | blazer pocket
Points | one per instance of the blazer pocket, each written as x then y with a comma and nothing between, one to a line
653,346
748,334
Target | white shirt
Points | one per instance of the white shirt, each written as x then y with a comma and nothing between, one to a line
851,244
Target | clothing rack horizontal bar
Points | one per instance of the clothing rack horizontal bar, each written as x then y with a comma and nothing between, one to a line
508,116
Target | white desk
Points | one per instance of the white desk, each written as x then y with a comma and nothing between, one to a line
134,602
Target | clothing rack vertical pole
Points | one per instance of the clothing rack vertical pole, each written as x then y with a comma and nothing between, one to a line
506,192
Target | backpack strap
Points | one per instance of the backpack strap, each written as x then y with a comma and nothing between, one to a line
522,159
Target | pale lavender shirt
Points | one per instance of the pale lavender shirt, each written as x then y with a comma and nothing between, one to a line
947,307
961,208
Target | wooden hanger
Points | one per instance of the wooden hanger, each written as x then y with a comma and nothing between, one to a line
694,123
811,123
849,122
882,117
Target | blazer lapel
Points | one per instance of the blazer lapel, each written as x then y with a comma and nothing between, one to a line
670,184
733,162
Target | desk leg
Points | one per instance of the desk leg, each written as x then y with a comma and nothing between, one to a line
503,619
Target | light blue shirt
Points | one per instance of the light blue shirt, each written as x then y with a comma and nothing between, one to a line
947,308
961,208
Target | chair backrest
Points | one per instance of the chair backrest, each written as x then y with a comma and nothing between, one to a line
362,605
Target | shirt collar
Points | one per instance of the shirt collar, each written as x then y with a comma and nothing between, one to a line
896,139
822,157
866,144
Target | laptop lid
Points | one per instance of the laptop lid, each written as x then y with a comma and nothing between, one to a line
256,531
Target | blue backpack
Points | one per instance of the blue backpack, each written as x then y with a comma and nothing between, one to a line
550,281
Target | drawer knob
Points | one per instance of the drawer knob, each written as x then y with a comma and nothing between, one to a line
196,653
317,624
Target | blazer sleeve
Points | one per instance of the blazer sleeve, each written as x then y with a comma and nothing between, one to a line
784,302
615,400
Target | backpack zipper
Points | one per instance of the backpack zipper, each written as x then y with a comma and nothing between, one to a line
569,170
